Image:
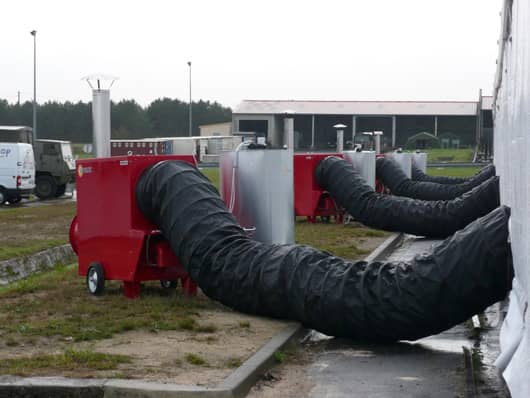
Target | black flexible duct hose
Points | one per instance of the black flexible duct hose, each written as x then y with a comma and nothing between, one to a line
481,176
392,175
436,219
374,301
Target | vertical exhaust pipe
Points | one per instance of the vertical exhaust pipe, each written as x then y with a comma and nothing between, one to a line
101,123
377,139
288,130
340,136
100,113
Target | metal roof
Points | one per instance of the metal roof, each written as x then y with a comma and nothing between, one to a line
14,128
53,141
373,108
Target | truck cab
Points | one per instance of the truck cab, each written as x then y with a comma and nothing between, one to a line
54,163
55,167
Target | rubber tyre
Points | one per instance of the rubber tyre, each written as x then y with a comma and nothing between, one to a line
46,187
95,279
15,199
168,284
2,196
61,189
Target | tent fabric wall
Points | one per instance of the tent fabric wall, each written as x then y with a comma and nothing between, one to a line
512,145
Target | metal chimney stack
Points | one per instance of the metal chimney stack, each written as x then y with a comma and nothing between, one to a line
377,139
100,113
340,136
288,129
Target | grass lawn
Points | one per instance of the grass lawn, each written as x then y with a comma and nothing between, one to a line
27,230
212,174
77,151
449,155
56,304
453,171
352,241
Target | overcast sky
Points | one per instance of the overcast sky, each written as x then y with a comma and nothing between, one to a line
250,49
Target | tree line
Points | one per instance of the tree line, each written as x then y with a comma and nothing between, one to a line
163,117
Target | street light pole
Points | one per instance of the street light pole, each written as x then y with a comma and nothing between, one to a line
34,34
190,117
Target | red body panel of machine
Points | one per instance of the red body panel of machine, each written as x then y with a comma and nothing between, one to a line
109,228
310,200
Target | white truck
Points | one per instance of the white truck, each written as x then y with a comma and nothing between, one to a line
17,172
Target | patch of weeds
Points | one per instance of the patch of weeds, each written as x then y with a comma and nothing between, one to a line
208,328
69,360
187,323
205,339
337,239
10,271
195,359
244,324
234,362
280,356
29,247
41,281
11,342
177,362
120,375
24,239
55,304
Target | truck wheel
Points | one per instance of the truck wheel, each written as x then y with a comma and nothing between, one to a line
61,189
46,187
2,196
14,199
95,279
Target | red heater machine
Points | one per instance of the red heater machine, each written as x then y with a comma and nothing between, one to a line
112,239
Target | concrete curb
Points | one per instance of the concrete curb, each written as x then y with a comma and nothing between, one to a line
386,247
244,377
236,385
21,267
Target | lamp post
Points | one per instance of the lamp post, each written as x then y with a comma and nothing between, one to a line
34,34
190,117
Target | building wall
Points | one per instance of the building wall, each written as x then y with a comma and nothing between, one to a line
316,132
223,129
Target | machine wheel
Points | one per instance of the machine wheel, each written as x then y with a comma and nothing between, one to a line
95,279
2,196
168,284
14,199
46,187
61,189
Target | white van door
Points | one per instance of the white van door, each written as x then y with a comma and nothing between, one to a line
8,158
25,167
